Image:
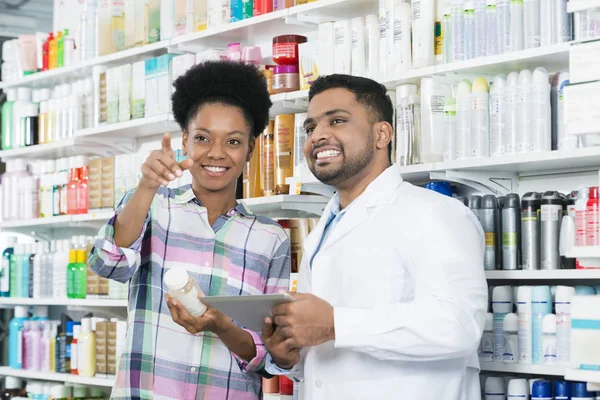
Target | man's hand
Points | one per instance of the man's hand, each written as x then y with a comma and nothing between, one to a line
284,355
306,322
161,168
211,321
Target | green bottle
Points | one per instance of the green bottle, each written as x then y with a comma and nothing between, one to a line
247,9
80,277
71,271
16,273
7,119
60,48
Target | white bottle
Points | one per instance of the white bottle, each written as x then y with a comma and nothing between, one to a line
342,51
562,22
359,47
497,117
524,110
19,109
37,270
184,289
458,31
546,23
480,119
447,29
423,40
541,304
560,139
372,51
486,346
564,294
386,15
531,23
495,388
75,353
59,270
463,119
511,347
481,29
540,118
450,129
518,389
516,25
406,100
502,304
433,97
503,7
524,314
491,27
469,31
549,339
401,59
510,114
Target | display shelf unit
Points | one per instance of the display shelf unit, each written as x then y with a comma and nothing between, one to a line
288,206
527,369
591,377
543,275
582,5
99,302
61,221
54,377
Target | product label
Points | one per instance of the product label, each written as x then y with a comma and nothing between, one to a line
551,213
439,38
563,338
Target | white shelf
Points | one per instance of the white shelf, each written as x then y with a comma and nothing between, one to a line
582,5
67,378
11,301
58,221
529,369
579,375
558,274
287,206
585,252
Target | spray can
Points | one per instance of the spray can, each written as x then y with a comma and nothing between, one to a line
511,232
564,294
530,230
549,339
567,229
475,206
541,305
525,311
551,213
489,219
499,255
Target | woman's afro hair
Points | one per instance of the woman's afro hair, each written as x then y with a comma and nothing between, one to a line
232,83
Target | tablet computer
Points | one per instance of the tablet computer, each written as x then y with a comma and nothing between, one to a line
248,311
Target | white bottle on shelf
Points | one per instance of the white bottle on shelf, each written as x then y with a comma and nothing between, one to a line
480,119
518,389
495,388
38,278
59,269
510,329
564,294
546,23
463,119
447,29
502,304
549,339
469,31
401,57
458,31
423,15
516,25
524,110
359,47
497,117
386,15
19,111
450,129
562,22
503,11
524,313
491,27
511,110
540,117
531,23
372,53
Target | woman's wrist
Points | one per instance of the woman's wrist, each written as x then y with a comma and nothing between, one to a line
221,323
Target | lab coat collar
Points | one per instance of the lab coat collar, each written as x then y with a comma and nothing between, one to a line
378,193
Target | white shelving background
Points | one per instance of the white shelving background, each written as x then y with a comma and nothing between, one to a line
55,377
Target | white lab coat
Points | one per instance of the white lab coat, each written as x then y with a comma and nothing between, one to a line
404,271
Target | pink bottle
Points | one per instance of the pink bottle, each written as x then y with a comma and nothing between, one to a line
592,216
31,347
25,334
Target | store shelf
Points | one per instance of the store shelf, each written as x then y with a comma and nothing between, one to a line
133,129
557,274
61,75
582,5
67,378
287,206
579,375
58,221
529,369
585,252
9,301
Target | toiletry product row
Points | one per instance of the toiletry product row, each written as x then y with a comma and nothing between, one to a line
90,347
278,388
500,388
16,389
532,324
54,270
110,26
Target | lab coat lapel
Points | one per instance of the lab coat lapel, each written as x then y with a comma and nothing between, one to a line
314,238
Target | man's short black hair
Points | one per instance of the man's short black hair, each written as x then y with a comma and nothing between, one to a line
232,83
369,93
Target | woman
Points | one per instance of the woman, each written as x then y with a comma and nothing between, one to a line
221,107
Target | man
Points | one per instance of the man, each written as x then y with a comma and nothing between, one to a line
392,294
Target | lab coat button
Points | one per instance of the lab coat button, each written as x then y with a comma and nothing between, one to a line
318,384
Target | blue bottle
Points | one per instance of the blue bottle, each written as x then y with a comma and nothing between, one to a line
562,390
15,338
579,391
237,13
542,390
7,254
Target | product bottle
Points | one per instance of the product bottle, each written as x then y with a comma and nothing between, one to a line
502,304
60,50
80,273
495,388
560,139
550,219
546,23
518,389
463,119
53,52
516,25
15,338
591,216
7,119
541,390
562,390
541,305
531,23
510,331
60,261
486,346
183,288
549,339
564,294
53,336
511,232
530,230
31,350
15,270
489,218
540,118
408,118
401,55
480,123
46,52
82,191
475,206
72,269
7,254
87,349
580,218
72,187
524,110
45,347
46,270
19,109
511,126
469,29
497,117
25,271
491,27
450,129
32,248
30,125
458,31
422,33
447,34
75,349
579,391
13,388
563,31
524,310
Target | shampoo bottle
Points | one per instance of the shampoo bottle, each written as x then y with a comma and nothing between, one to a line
15,338
423,33
87,349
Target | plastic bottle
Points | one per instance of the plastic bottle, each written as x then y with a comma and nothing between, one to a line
46,52
47,270
80,273
71,271
592,216
502,304
15,270
495,388
491,27
74,171
524,310
511,341
31,251
563,31
7,254
531,23
562,390
15,338
19,109
60,261
549,345
540,111
69,49
511,126
24,281
518,389
386,15
458,31
546,23
486,346
422,33
469,30
480,123
75,349
579,391
541,390
560,139
450,129
541,305
87,349
516,25
45,347
524,111
463,119
7,119
60,50
580,217
53,52
401,56
82,190
447,29
183,288
31,347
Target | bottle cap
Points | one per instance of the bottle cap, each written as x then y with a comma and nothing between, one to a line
579,389
11,383
541,300
45,94
549,323
34,388
502,301
495,386
35,96
511,323
79,392
21,312
60,392
86,325
524,300
531,200
585,291
23,94
475,202
176,278
512,200
518,388
480,85
489,201
11,94
552,197
542,389
562,390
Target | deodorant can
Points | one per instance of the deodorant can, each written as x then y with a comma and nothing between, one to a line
475,206
530,230
489,218
550,219
499,256
511,232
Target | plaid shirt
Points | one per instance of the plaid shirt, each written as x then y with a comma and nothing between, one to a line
241,254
